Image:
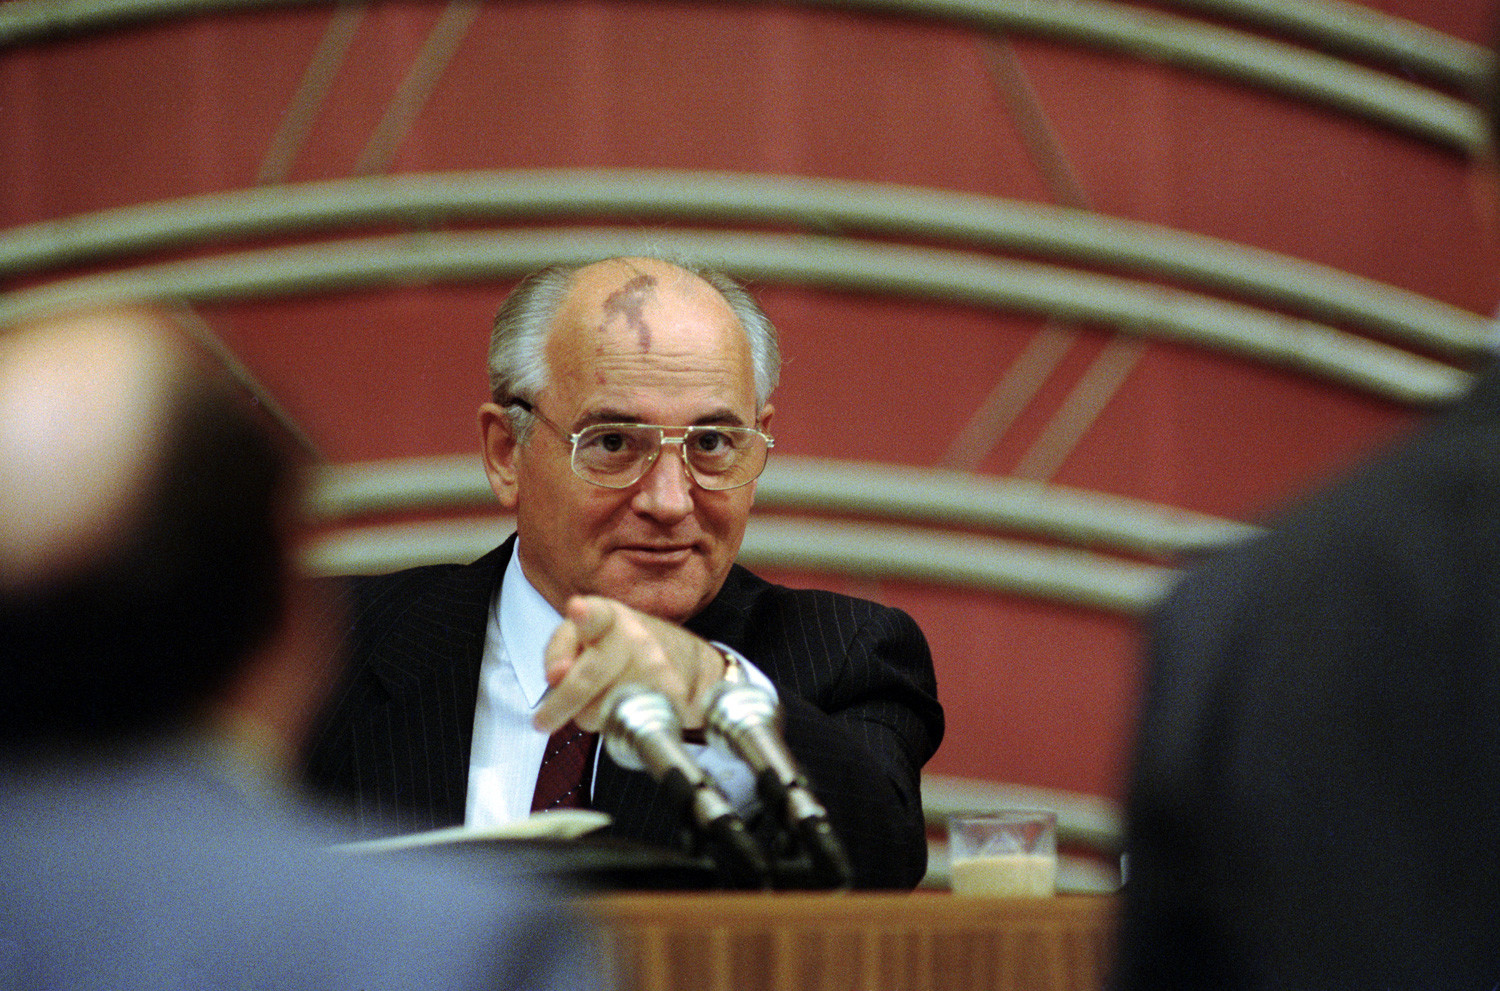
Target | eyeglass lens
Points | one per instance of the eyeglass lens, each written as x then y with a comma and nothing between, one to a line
619,454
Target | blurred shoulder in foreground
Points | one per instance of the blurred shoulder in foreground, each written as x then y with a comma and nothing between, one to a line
161,658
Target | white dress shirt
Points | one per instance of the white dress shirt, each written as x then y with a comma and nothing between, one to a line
507,752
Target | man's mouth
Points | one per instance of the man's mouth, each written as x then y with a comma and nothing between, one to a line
657,555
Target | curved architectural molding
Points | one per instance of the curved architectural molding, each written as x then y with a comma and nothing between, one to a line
1143,310
374,550
431,199
988,564
1286,69
1360,32
959,499
892,492
864,551
446,482
1190,44
918,553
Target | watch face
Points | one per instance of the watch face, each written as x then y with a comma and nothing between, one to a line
733,672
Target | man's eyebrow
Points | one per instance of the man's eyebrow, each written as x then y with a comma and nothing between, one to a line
604,415
720,418
724,417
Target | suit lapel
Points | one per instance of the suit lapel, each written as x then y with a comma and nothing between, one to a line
432,668
727,617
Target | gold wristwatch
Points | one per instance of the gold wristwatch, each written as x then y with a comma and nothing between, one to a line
734,671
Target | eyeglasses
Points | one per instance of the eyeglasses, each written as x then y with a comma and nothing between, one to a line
617,455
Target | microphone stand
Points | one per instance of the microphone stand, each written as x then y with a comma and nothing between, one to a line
724,842
808,854
643,733
745,720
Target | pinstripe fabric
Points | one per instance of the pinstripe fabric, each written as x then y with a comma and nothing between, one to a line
856,681
396,735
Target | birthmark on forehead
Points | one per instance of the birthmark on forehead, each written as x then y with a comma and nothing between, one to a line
627,302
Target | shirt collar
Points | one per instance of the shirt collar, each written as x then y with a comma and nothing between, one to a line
527,622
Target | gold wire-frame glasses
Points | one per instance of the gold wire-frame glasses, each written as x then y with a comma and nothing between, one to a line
617,455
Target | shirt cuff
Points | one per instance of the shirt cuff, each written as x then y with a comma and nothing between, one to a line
733,776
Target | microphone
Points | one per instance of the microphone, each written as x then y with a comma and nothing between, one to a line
642,732
745,720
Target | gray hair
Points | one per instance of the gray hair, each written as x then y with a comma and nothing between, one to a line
518,342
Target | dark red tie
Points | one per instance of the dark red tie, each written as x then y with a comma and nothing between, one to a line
562,782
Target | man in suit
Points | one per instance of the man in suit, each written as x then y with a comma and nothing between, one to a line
158,666
627,426
1315,801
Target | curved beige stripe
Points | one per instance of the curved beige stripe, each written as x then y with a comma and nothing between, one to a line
1145,310
1360,31
957,499
1068,234
1207,48
863,551
875,552
962,499
1146,34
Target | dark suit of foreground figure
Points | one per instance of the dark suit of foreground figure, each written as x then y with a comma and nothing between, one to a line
851,674
627,427
1316,800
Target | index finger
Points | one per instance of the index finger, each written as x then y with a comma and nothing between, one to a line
577,675
591,616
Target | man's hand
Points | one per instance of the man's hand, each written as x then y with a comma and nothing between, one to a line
603,643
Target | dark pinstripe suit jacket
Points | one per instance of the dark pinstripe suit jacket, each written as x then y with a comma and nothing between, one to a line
856,682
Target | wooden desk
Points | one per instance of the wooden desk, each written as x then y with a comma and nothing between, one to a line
856,942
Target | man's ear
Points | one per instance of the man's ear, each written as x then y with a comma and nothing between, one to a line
498,442
763,424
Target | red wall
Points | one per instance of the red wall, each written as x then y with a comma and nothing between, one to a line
1037,692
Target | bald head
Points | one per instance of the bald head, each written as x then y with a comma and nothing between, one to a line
518,365
83,420
142,527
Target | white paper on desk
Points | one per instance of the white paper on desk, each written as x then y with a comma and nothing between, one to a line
555,824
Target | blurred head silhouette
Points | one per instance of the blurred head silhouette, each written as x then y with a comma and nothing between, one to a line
145,514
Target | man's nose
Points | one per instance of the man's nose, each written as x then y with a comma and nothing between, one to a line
666,490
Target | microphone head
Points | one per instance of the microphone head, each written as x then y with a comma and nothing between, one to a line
733,707
632,711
